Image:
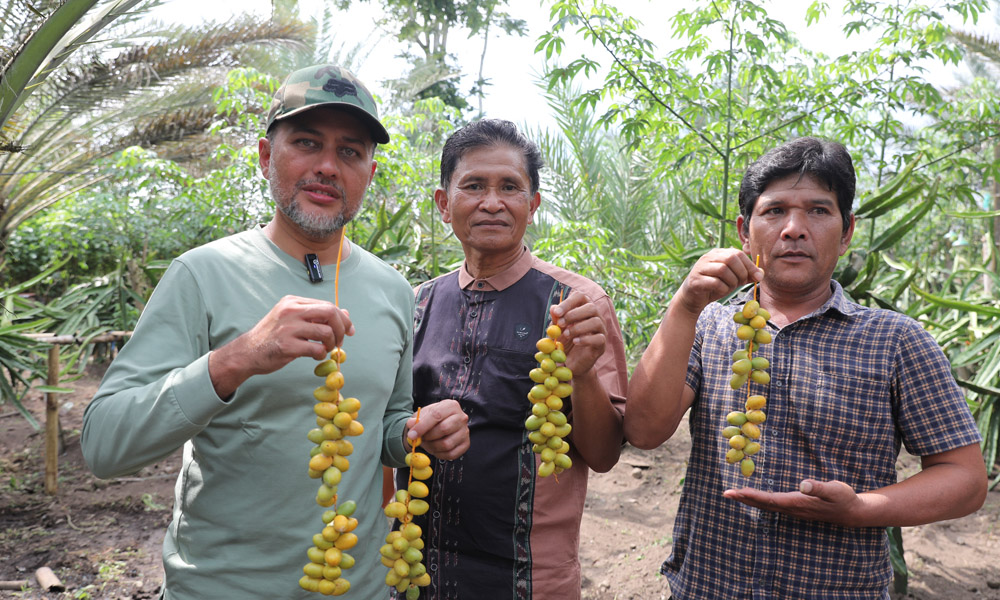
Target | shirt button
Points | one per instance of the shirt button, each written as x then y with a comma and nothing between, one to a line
770,482
776,383
437,514
466,359
480,284
433,567
473,314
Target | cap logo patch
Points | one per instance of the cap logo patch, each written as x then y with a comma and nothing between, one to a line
340,87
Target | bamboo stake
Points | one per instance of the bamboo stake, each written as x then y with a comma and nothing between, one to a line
15,584
48,580
49,338
52,426
52,429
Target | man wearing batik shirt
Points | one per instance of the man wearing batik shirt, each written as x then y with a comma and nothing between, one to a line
849,385
496,529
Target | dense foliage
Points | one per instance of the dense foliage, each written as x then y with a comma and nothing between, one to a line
641,175
739,82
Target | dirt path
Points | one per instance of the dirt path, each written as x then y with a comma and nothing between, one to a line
102,539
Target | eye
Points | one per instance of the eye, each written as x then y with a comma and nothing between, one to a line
350,152
306,142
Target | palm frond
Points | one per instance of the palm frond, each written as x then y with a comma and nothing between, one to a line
986,48
155,91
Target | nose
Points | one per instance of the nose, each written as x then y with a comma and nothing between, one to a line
491,201
327,165
794,227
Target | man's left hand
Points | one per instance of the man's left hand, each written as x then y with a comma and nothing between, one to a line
829,501
583,332
443,429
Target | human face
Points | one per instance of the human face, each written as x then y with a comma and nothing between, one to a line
318,165
489,202
797,230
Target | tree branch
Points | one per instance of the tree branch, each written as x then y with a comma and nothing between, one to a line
649,91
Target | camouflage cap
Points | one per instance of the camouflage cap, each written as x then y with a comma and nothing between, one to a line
326,85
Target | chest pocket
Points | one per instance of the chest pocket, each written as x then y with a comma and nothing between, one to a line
846,418
505,387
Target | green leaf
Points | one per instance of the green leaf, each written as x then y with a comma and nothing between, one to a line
976,214
701,205
51,389
28,61
870,270
985,390
899,571
872,212
29,284
887,191
957,304
900,228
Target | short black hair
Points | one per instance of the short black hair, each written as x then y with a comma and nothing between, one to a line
489,132
826,161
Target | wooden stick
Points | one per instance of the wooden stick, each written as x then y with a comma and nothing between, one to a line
48,580
49,338
15,584
52,426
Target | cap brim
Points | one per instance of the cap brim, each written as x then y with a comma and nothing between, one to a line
378,132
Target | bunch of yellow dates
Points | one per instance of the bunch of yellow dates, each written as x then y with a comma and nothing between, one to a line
547,425
336,419
403,546
743,426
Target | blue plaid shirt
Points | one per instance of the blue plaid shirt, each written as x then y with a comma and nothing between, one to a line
849,384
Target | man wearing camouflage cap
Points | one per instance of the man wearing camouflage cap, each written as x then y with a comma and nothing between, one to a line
221,364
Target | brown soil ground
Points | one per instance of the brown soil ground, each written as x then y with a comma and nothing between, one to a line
102,538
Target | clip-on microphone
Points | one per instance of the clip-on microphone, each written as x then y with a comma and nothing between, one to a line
313,268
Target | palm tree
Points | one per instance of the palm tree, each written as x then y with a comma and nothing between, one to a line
38,37
154,91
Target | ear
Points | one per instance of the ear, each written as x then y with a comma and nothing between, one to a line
441,200
371,176
845,239
264,155
536,200
744,236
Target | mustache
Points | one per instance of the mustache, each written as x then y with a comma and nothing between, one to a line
321,181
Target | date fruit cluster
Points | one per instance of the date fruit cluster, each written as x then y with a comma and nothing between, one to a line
402,549
336,419
743,426
547,426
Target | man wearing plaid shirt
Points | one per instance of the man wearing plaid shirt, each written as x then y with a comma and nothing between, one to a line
849,385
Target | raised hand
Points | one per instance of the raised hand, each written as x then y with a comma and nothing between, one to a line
293,328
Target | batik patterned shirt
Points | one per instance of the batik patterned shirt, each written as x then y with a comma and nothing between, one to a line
495,529
849,385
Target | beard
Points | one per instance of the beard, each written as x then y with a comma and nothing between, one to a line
314,226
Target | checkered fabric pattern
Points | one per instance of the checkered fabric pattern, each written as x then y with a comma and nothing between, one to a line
849,385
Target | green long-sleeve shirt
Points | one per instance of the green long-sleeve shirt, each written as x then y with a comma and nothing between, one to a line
244,510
